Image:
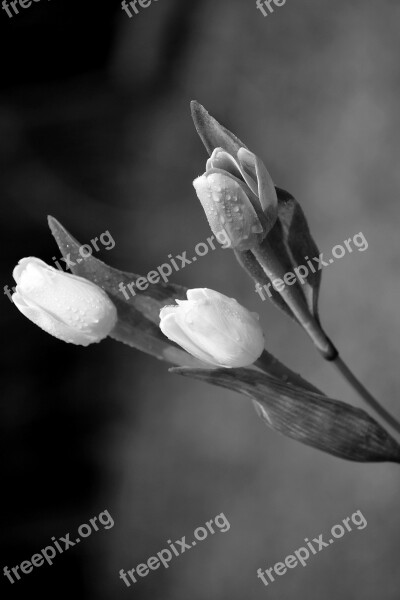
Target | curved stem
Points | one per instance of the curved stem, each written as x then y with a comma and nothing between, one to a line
364,393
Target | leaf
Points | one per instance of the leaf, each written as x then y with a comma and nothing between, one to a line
213,134
299,246
288,250
307,417
289,245
273,367
250,264
138,315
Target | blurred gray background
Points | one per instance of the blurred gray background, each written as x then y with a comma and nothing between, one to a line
95,129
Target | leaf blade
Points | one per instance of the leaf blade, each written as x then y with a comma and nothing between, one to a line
213,134
299,245
313,419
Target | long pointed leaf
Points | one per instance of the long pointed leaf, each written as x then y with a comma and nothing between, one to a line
310,418
213,134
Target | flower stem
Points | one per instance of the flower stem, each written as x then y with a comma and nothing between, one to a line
364,393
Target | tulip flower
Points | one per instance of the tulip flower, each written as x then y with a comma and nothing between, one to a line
214,328
68,307
238,197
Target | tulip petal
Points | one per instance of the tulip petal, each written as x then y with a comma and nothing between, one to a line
167,310
228,208
257,176
63,294
24,263
229,334
52,325
171,327
198,294
214,328
225,162
232,342
204,194
68,307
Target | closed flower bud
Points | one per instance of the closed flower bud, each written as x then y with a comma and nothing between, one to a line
71,308
238,197
214,328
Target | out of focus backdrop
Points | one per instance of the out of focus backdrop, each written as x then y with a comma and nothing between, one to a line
95,130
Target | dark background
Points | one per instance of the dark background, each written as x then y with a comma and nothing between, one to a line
95,129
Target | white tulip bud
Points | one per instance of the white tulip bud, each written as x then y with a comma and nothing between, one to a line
214,328
228,209
238,197
71,308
